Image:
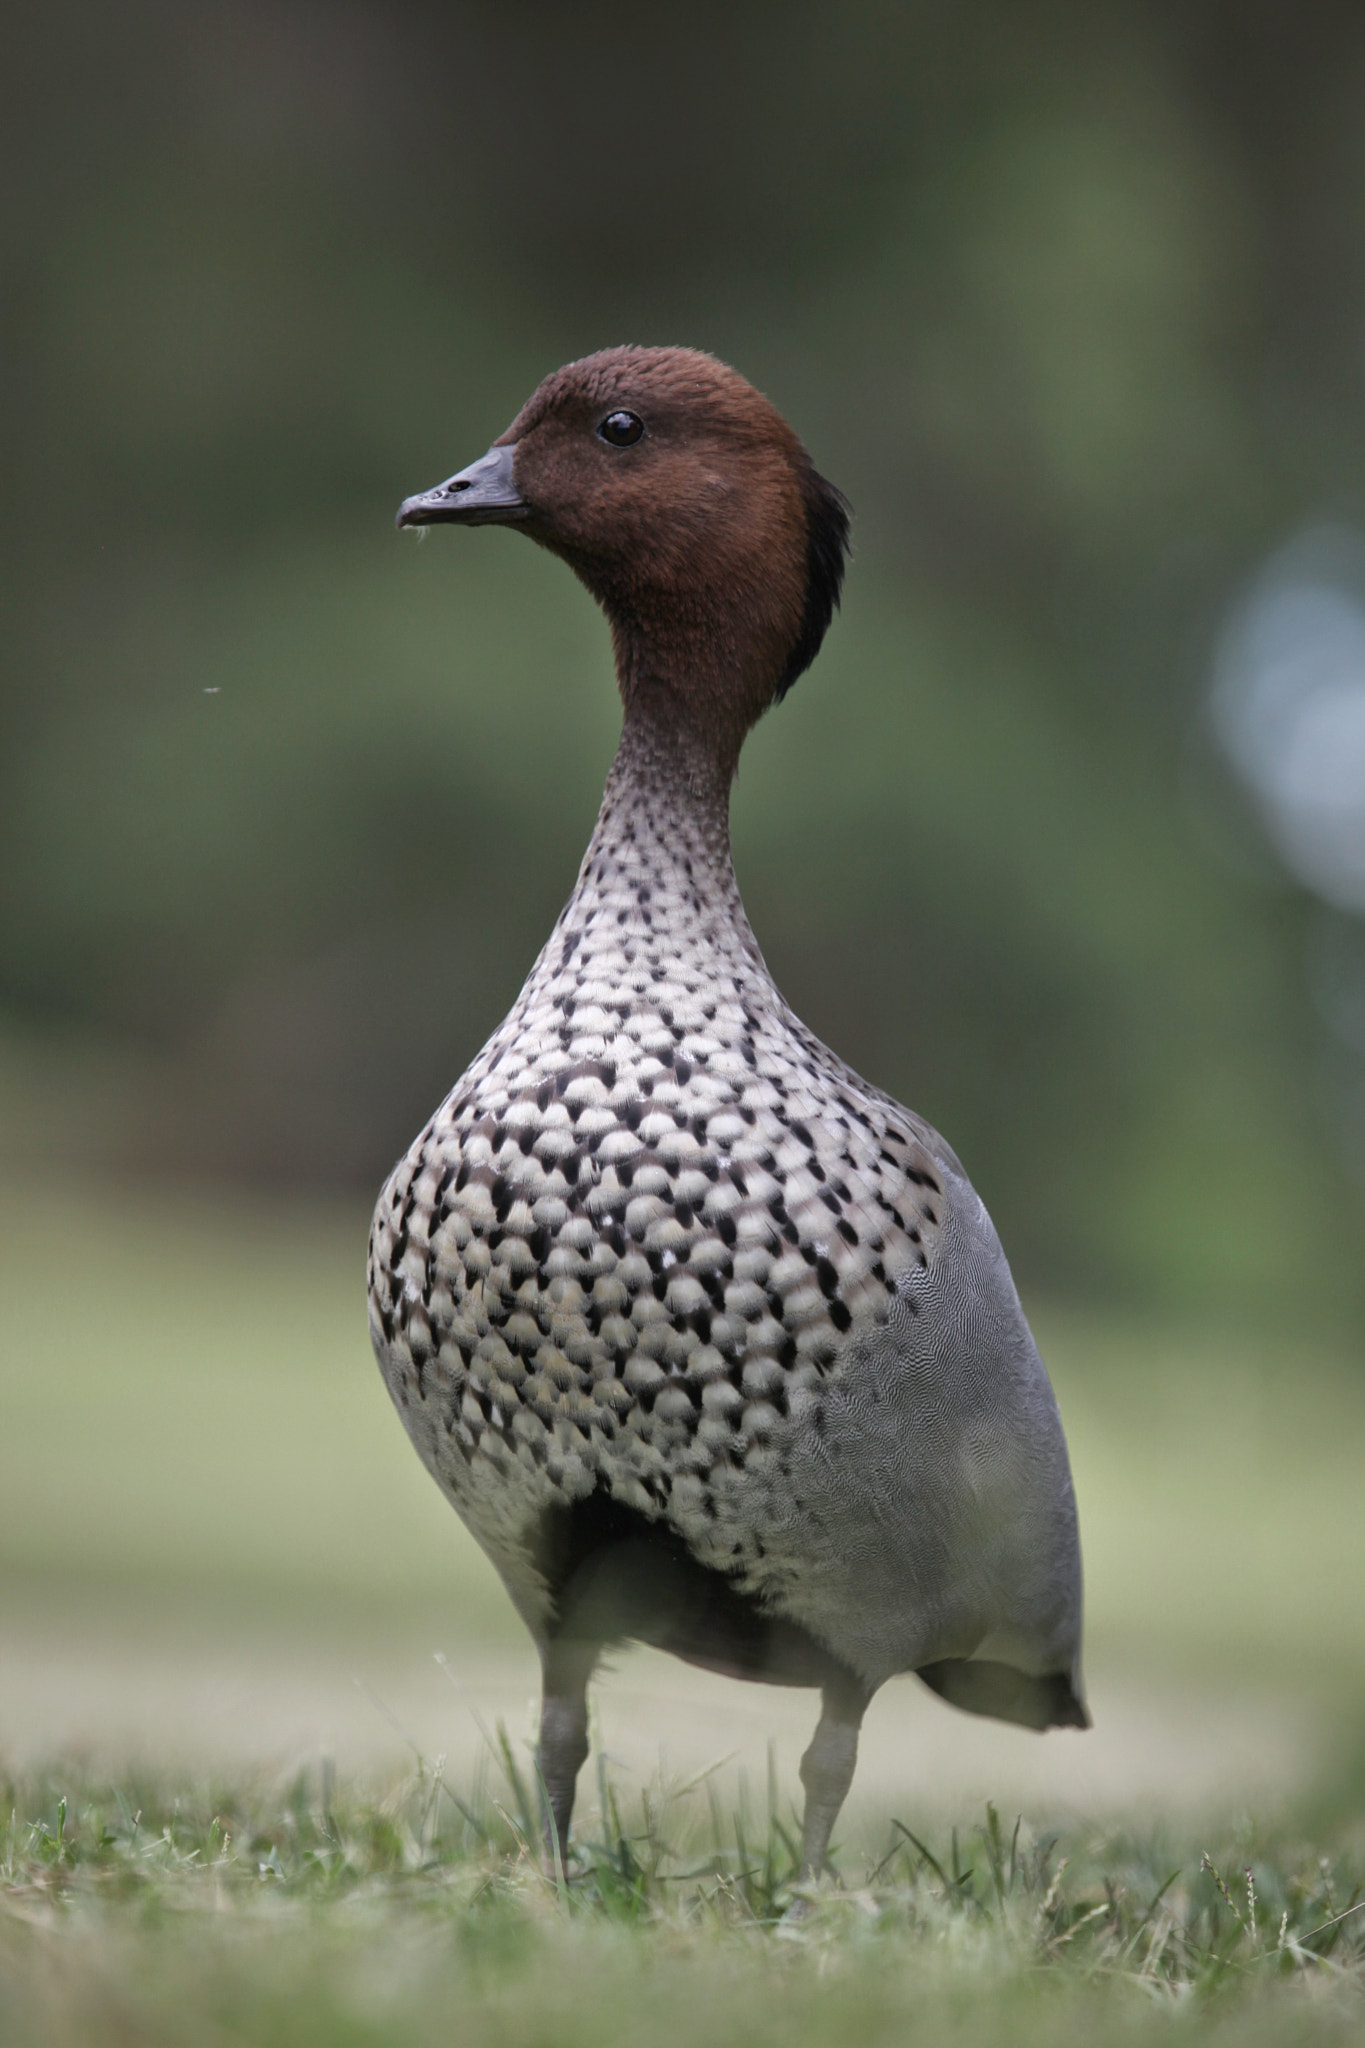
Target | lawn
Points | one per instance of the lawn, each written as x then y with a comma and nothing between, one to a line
132,1912
197,1462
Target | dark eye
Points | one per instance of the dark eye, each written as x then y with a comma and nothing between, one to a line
621,428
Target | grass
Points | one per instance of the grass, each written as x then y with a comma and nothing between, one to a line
196,1445
139,1911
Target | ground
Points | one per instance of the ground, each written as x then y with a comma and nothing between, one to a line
246,1802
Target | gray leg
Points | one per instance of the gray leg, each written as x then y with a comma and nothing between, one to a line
827,1771
566,1669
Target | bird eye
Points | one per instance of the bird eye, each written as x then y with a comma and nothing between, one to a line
621,428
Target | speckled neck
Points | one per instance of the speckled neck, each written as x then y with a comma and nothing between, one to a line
659,859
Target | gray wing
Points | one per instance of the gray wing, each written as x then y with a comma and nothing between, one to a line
939,1479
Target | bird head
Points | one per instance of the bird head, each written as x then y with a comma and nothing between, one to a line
686,504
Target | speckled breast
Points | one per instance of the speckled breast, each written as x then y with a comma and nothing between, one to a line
629,1252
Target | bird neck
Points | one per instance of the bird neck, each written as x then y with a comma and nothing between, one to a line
658,868
697,666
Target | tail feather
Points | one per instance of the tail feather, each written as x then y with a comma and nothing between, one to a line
1009,1695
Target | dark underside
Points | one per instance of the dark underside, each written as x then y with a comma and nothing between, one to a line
616,1576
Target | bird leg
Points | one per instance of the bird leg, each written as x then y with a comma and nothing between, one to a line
566,1667
827,1769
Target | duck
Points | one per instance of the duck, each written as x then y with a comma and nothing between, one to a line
710,1342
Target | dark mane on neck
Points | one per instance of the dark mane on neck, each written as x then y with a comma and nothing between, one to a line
827,521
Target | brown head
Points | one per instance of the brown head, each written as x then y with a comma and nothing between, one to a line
690,510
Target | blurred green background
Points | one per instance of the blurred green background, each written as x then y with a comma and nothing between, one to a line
1070,300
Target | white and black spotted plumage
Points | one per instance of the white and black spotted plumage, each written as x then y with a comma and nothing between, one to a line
710,1343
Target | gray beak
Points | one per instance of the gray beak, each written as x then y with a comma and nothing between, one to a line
482,495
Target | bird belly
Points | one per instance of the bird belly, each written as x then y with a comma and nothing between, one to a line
797,1356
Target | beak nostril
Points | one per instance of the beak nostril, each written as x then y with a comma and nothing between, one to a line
484,494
